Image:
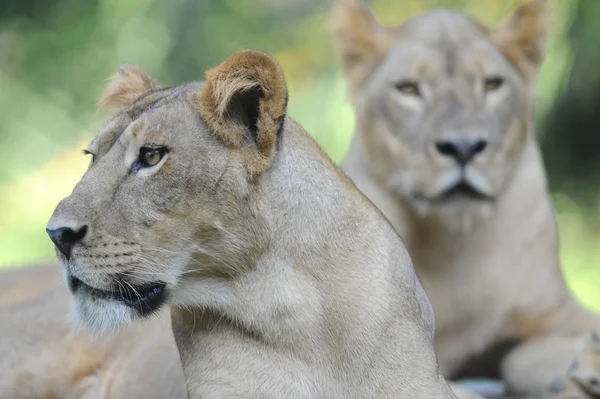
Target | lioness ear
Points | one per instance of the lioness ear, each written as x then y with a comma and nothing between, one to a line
361,40
245,101
126,85
523,39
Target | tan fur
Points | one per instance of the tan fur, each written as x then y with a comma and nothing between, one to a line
361,40
41,357
523,40
274,290
490,266
582,381
243,72
127,84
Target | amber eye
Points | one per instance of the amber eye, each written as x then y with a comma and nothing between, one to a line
409,88
492,83
149,156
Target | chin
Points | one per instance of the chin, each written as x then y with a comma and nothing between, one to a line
457,213
100,319
102,313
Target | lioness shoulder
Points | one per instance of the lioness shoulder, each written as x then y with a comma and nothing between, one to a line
41,356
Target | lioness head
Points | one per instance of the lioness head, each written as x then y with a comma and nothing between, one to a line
170,193
444,104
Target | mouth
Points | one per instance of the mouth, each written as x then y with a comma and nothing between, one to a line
460,192
464,190
145,299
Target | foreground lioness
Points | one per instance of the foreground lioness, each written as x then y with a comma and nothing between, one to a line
282,279
41,358
446,149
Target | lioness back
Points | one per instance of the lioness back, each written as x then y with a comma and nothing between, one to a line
42,357
33,312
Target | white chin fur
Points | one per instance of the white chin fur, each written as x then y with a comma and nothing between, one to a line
99,319
460,216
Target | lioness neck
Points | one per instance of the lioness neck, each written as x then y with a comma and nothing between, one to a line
326,289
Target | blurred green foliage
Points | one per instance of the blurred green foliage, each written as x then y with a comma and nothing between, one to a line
56,54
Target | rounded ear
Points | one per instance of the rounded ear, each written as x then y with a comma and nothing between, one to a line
126,85
523,38
361,40
245,102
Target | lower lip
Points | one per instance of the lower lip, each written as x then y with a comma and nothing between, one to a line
463,190
144,299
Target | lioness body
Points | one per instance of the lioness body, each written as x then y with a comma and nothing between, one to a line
282,279
446,149
481,291
42,358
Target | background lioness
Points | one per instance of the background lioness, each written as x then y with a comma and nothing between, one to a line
42,358
446,149
282,279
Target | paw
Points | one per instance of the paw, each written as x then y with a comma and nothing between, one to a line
565,388
582,379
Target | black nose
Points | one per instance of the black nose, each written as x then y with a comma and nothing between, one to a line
462,150
65,238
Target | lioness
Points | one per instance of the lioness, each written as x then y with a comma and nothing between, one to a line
41,358
446,149
282,279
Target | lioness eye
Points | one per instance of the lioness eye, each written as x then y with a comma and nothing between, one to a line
493,83
149,156
408,88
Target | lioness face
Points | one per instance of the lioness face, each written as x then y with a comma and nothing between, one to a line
443,105
168,196
128,226
447,117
